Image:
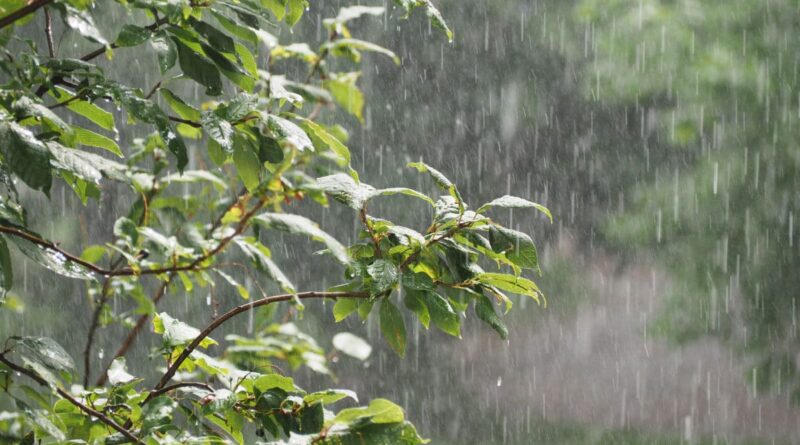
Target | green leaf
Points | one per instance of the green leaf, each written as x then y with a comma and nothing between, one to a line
237,30
243,292
384,276
414,302
271,381
360,45
131,35
508,201
232,71
25,156
399,433
83,23
92,139
334,144
87,166
344,307
510,283
329,396
378,411
97,115
418,281
517,246
93,254
346,190
218,129
177,104
46,357
248,166
485,311
52,260
434,16
346,94
118,372
193,176
350,344
295,10
393,327
198,68
442,313
26,107
440,180
165,49
292,135
348,13
177,333
277,7
216,38
303,226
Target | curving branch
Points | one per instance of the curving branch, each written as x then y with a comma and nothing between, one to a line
234,312
175,386
30,8
195,265
90,411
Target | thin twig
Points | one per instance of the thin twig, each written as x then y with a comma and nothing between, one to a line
48,31
153,90
105,294
22,12
127,271
175,386
92,412
362,215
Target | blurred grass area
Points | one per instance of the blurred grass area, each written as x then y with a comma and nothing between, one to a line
573,434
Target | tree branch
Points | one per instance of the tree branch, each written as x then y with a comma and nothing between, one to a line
48,31
127,271
362,215
22,12
234,312
182,385
92,412
105,293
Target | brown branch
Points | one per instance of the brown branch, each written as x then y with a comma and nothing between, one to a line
66,102
22,12
362,215
127,271
48,31
175,386
92,412
196,124
105,294
93,54
234,312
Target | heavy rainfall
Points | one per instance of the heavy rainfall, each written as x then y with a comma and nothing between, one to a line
652,145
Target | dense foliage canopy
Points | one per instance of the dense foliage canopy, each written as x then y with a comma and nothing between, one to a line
240,149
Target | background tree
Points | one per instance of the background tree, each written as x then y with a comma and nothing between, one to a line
239,139
715,84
